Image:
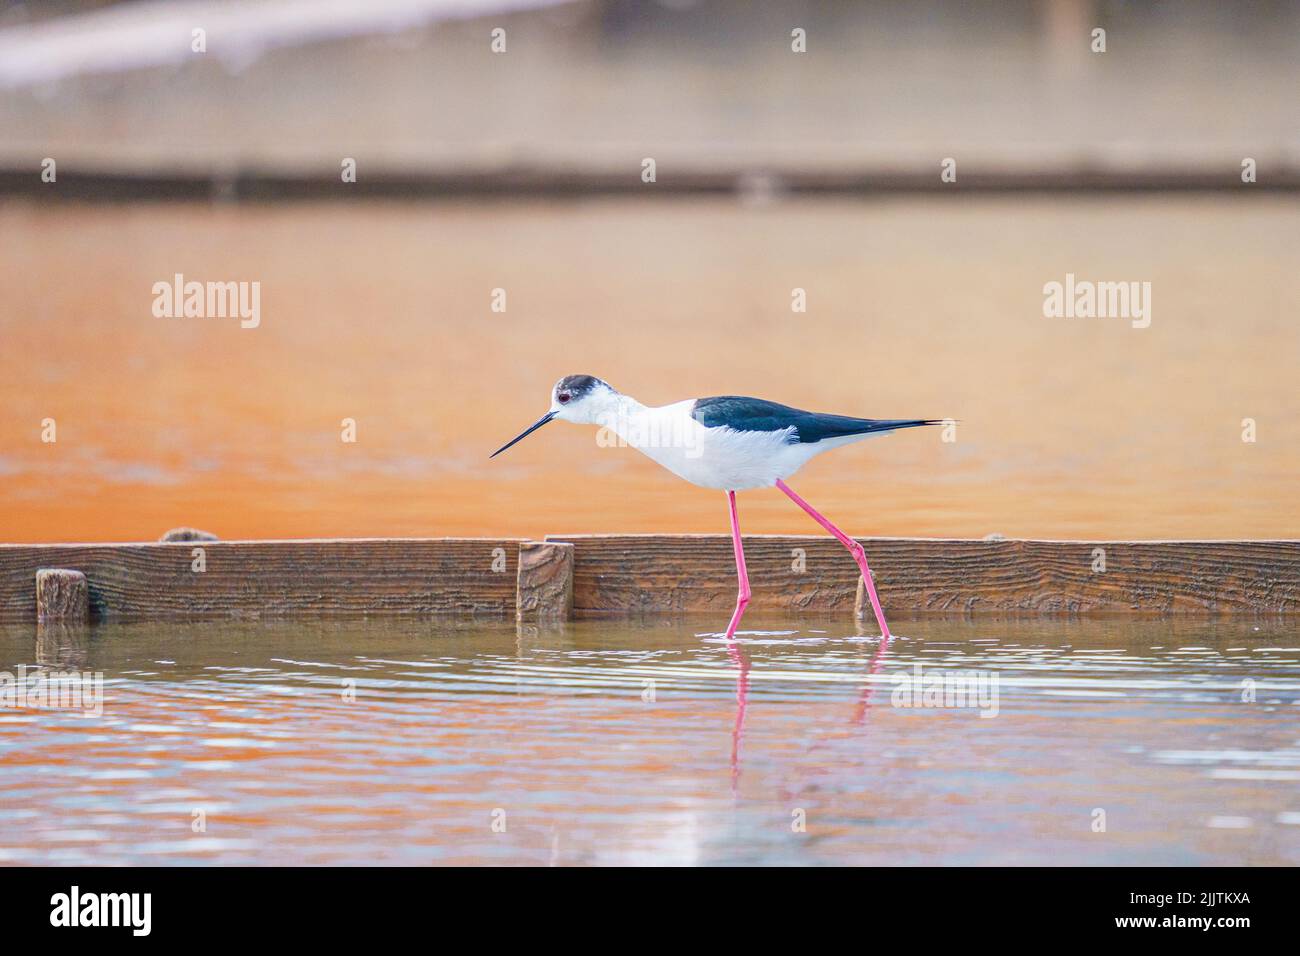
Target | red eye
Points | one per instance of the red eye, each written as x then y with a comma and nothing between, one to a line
564,398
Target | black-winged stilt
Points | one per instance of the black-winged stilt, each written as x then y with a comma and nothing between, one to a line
727,442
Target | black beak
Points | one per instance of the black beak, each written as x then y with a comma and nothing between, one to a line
526,432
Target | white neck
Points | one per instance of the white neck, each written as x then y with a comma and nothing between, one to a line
621,414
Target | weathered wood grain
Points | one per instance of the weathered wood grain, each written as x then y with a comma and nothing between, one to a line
619,574
1076,577
61,595
545,581
671,573
684,573
466,576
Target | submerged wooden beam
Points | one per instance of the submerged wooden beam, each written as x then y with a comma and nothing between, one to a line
239,579
61,596
545,589
686,573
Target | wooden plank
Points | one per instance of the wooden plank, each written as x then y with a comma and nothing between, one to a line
467,576
545,589
688,573
1163,577
618,574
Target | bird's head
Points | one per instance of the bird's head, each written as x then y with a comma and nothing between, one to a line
581,399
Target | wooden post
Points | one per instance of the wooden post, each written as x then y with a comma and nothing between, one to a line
62,595
545,582
862,609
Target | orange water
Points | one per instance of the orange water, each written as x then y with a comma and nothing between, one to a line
380,313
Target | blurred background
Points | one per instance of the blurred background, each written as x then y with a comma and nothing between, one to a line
128,156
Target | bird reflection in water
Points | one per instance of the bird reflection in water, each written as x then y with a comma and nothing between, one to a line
861,706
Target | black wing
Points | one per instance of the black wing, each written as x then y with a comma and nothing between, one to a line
757,415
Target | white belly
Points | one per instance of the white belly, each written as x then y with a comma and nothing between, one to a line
718,457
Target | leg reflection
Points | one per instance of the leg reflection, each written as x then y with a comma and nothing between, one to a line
869,686
742,698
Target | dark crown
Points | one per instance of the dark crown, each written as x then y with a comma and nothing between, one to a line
578,385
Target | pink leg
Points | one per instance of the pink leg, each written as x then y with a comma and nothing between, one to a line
733,650
742,599
855,549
